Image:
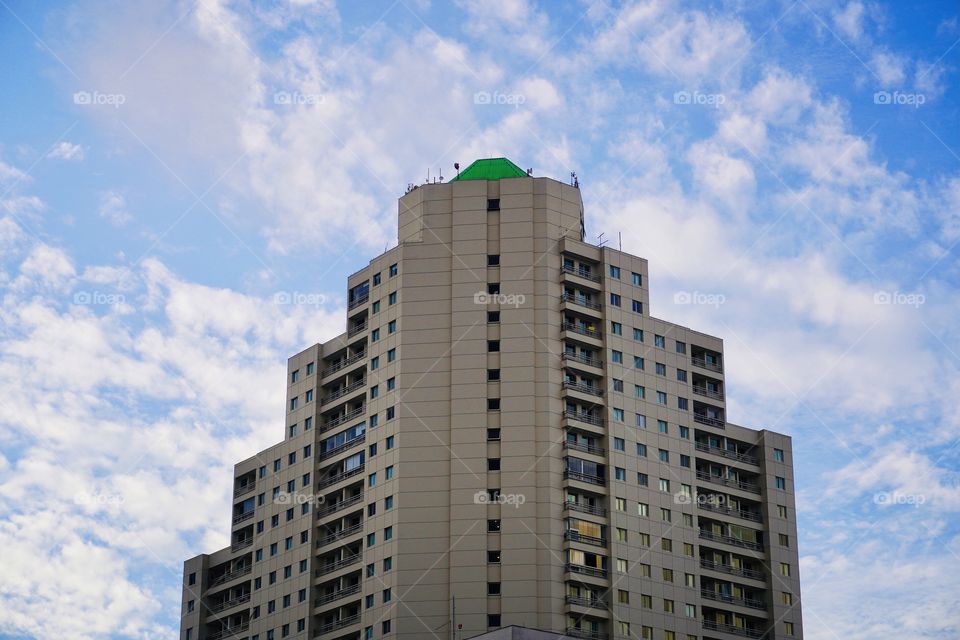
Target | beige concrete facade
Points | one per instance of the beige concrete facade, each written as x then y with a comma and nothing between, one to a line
504,424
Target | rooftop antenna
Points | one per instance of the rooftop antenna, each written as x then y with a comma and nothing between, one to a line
456,165
600,240
574,181
620,239
530,171
428,175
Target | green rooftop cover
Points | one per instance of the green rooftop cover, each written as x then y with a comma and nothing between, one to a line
491,169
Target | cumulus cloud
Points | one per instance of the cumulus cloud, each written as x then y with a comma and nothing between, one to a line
66,151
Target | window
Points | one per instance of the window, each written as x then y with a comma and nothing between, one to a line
374,391
788,628
387,564
682,404
623,597
684,460
638,362
493,204
388,472
375,363
263,472
684,432
641,420
272,577
493,260
391,412
493,525
190,605
616,328
690,610
493,288
659,341
781,511
385,627
778,455
618,415
391,384
620,473
662,426
646,602
293,403
618,385
641,450
643,479
614,272
621,504
493,404
295,376
392,326
375,307
664,485
493,557
375,335
373,450
621,565
377,278
681,375
393,270
493,345
391,355
668,575
391,440
371,539
623,628
638,335
293,430
688,550
784,540
619,444
493,374
388,533
615,299
643,510
661,398
616,357
493,434
392,298
493,464
371,509
374,421
644,570
493,317
664,455
661,369
666,544
370,570
785,569
689,579
388,503
372,479
786,598
681,347
637,306
493,588
781,482
493,620
309,368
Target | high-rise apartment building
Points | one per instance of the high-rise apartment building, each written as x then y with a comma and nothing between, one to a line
504,435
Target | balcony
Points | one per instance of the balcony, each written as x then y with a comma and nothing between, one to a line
227,604
581,273
575,536
704,391
585,570
336,595
344,390
230,575
584,477
585,508
709,421
337,624
574,632
241,544
582,301
243,489
728,482
582,359
340,448
337,506
736,542
589,389
229,633
589,418
326,482
586,448
735,630
357,328
726,453
741,602
356,302
730,511
339,420
732,570
582,330
344,362
703,363
330,567
246,515
340,535
590,603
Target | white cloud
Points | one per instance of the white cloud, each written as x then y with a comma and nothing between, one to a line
113,207
850,20
66,151
890,69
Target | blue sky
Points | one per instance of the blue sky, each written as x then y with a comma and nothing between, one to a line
168,168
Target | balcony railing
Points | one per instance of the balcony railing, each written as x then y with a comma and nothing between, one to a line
575,536
582,330
585,570
326,482
585,508
737,542
340,448
229,633
728,482
242,489
742,602
730,511
729,628
704,364
590,389
356,302
581,273
582,301
584,477
357,328
704,391
344,390
337,624
574,632
726,453
586,448
582,359
336,595
710,421
241,544
226,604
337,506
230,575
732,570
330,567
339,535
589,418
343,362
339,420
246,515
592,603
